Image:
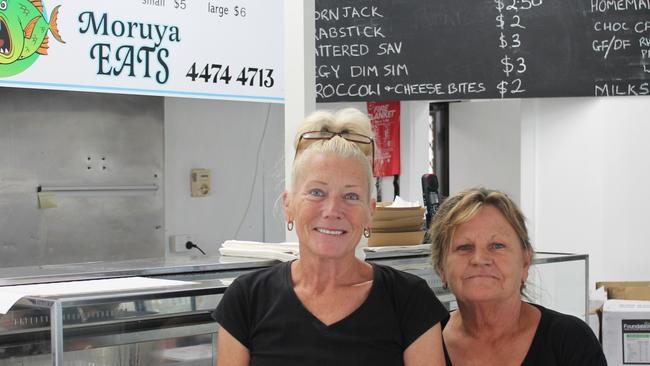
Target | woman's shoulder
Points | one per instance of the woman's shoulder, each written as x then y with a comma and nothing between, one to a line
263,277
405,287
552,320
568,338
396,276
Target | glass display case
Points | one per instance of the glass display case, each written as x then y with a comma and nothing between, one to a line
560,281
173,325
556,280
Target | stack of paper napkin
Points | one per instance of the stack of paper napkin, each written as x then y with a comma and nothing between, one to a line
254,249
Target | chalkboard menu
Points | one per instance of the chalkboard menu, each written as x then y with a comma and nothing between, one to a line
474,49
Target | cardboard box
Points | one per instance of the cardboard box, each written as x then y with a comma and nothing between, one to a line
400,224
398,238
392,213
397,219
626,332
626,290
597,299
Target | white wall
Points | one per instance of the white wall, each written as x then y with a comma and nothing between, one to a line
484,146
415,131
242,144
577,166
565,204
591,175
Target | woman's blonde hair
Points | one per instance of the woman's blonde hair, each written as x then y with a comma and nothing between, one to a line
461,208
348,120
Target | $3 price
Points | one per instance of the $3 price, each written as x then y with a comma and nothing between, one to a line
510,65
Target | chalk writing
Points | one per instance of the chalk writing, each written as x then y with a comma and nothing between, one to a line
462,49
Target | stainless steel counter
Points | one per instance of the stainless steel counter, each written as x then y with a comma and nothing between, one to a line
187,265
142,267
151,267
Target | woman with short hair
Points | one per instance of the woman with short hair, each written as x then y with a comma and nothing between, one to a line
482,252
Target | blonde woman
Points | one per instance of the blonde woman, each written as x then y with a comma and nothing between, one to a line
328,307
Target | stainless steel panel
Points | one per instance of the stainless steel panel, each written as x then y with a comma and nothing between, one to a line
179,349
199,267
57,138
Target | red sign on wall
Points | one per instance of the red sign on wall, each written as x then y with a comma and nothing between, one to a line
385,118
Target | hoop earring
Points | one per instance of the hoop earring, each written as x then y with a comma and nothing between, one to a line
290,225
366,232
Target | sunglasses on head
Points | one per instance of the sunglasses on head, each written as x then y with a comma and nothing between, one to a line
327,135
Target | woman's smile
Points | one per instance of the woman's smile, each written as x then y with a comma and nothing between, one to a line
330,231
482,276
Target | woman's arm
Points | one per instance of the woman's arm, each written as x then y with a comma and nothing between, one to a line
229,351
426,350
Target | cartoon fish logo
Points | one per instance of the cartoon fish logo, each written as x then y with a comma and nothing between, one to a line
23,34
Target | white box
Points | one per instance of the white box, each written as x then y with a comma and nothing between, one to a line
626,332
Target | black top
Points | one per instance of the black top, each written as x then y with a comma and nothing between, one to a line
560,340
262,311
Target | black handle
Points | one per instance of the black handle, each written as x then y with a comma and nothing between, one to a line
430,196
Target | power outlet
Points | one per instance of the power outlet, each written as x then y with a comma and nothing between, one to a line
177,243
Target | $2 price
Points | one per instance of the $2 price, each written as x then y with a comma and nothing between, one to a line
513,87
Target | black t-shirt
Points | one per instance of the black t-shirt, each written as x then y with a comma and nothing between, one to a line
560,340
262,311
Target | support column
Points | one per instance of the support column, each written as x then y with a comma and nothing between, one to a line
300,76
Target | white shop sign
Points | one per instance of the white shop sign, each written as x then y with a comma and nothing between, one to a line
221,49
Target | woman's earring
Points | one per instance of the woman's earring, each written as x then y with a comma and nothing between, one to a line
366,232
289,225
445,286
